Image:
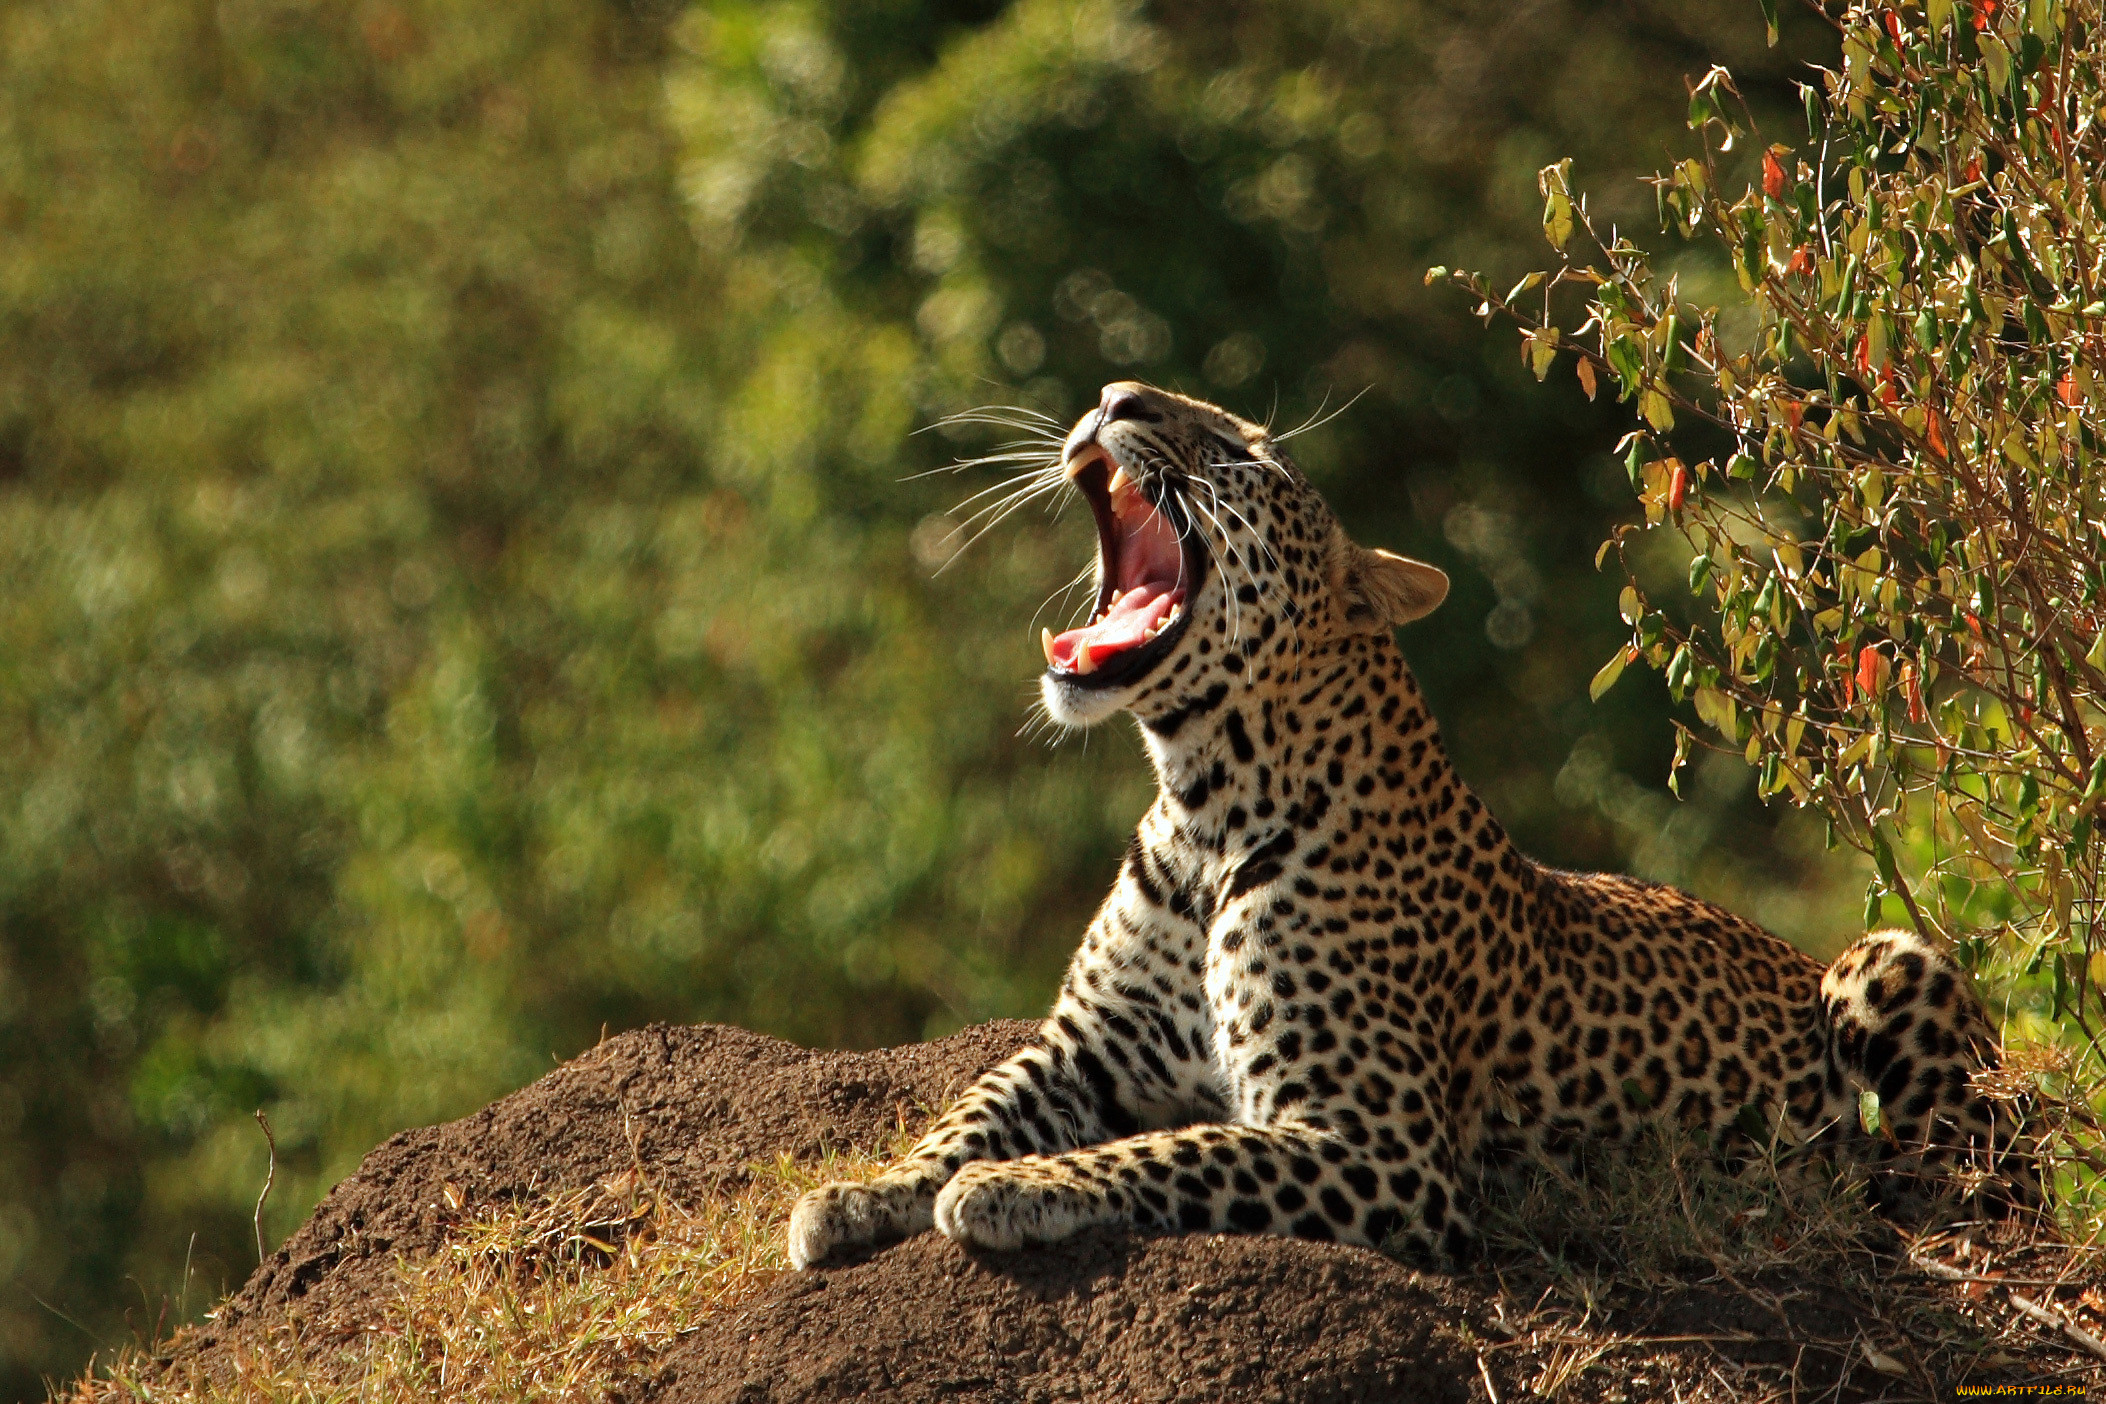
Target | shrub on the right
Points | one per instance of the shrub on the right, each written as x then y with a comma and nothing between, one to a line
1883,464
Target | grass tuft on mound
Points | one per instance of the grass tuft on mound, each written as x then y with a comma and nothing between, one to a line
565,1297
1780,1254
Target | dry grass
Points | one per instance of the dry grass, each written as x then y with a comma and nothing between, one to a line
1649,1214
1778,1256
559,1298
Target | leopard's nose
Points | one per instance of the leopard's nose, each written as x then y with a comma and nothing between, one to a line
1122,400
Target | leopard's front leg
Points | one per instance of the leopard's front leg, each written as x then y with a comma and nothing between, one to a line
1031,1103
1302,1181
1126,1048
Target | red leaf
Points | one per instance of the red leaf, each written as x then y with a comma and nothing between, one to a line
1678,488
1842,651
1934,430
1772,176
1912,687
1868,671
1984,16
1863,357
1893,22
1802,261
2067,388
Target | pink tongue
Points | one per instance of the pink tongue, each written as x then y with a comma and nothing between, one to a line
1125,626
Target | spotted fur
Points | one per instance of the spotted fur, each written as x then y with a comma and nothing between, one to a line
1326,990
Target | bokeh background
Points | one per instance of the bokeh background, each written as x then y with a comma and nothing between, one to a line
466,587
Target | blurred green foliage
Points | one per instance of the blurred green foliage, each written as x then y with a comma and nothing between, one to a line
465,588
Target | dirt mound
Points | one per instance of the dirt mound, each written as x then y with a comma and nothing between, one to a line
695,1106
1106,1316
1111,1317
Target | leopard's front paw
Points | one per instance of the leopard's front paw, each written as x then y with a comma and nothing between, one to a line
839,1218
1004,1205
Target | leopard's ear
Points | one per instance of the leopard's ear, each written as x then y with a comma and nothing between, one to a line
1382,589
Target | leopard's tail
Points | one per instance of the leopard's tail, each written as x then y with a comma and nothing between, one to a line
1905,1027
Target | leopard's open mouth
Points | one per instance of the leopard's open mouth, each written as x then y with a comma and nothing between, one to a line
1148,565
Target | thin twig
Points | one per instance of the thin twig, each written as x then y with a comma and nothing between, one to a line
2061,1323
1486,1375
270,1176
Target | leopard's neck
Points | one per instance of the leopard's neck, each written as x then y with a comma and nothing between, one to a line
1343,744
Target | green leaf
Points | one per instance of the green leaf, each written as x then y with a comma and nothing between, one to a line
1769,19
1606,678
1542,351
1883,860
1868,1111
1555,181
1557,219
1627,361
1636,1094
1715,709
1996,59
1657,409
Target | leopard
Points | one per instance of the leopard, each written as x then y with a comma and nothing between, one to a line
1327,994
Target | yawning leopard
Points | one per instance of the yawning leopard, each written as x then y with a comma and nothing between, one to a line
1326,989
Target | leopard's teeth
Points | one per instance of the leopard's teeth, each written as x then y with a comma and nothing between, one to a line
1084,664
1120,488
1045,637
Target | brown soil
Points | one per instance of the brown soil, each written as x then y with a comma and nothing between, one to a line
1105,1317
694,1106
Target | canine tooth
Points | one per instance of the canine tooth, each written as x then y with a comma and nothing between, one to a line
1084,664
1045,636
1121,485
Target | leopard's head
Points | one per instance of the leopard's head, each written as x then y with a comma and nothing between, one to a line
1218,565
